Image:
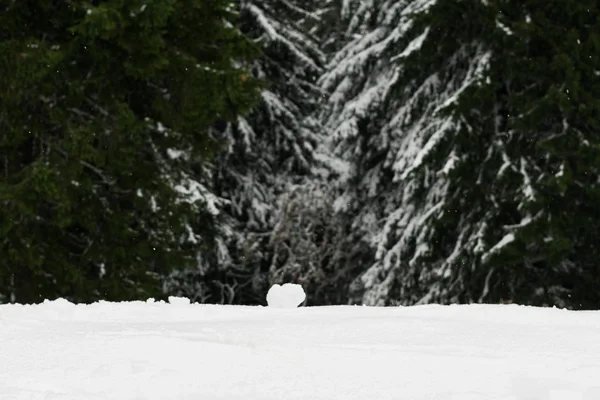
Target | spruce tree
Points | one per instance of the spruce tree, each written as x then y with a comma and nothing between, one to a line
468,126
377,114
104,119
546,73
266,153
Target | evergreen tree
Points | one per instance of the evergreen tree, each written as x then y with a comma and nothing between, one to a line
545,73
267,151
104,119
367,110
467,127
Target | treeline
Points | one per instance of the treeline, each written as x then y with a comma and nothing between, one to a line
377,152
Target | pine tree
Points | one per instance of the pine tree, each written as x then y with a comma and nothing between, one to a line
104,119
463,124
267,151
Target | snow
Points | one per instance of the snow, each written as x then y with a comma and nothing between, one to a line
505,241
451,162
175,154
504,28
272,28
154,350
288,295
527,187
413,46
192,191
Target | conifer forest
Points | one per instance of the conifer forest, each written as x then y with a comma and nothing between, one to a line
377,152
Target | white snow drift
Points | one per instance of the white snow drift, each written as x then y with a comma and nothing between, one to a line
152,351
288,295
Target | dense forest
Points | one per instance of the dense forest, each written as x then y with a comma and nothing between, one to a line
377,152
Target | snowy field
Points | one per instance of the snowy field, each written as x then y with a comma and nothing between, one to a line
147,351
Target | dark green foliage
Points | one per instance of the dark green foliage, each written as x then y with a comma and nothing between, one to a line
267,151
471,130
527,178
104,112
548,74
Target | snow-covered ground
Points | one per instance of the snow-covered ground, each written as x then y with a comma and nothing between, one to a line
147,351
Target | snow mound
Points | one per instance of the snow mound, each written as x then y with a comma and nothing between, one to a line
288,295
179,300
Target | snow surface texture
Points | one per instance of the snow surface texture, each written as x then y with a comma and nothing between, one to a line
151,351
288,295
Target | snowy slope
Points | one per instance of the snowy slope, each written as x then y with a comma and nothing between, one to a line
59,351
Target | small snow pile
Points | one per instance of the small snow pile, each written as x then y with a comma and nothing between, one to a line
288,295
179,300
